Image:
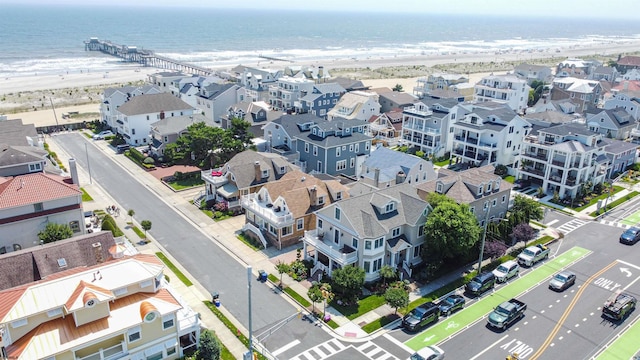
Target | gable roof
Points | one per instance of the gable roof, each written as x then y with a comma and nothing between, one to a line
242,166
290,124
34,188
11,155
176,124
619,117
14,132
401,98
629,60
463,186
391,162
153,103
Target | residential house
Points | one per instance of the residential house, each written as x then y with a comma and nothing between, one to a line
621,154
387,127
453,94
613,123
532,73
583,93
256,82
578,68
188,88
350,84
369,231
604,73
169,129
486,194
323,146
318,75
426,127
628,63
626,96
487,134
136,115
281,211
632,75
164,79
395,100
437,81
286,91
256,113
21,151
214,100
320,99
564,106
563,158
113,98
545,119
244,174
385,167
29,202
356,105
118,308
505,89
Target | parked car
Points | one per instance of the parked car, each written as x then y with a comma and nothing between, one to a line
506,270
450,304
630,236
481,283
421,316
103,134
533,254
521,184
428,353
562,280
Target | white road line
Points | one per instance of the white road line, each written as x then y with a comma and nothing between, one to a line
286,347
490,346
631,283
552,222
628,264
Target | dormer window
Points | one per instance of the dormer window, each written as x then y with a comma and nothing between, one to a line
390,207
265,174
395,232
439,188
321,200
489,187
480,189
339,195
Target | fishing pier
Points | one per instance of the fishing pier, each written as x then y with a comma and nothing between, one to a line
143,57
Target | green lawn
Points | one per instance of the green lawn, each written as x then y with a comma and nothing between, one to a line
602,196
185,183
509,179
247,241
301,300
85,195
381,322
362,307
138,232
175,270
443,162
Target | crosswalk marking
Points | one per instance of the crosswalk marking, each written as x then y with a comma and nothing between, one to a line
373,351
333,346
571,225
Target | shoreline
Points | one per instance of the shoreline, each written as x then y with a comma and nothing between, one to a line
75,88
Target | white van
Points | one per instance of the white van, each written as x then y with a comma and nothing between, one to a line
506,270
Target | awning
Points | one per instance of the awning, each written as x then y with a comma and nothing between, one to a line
397,244
228,190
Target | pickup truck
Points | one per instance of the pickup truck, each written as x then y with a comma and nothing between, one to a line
533,254
506,313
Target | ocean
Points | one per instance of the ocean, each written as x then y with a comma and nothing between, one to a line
49,39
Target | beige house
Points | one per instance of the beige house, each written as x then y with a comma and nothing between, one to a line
120,308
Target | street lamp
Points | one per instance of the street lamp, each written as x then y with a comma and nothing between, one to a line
484,237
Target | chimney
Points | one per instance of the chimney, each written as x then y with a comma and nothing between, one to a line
625,85
376,177
97,251
73,169
257,171
400,177
161,115
313,195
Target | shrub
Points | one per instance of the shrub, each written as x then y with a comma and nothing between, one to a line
108,223
149,160
298,271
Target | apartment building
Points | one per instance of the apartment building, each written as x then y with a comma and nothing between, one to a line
505,89
427,126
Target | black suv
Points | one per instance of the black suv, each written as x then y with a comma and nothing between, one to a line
481,283
421,316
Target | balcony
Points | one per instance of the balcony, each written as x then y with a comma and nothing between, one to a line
114,352
532,170
343,256
473,141
420,113
559,162
215,177
536,156
266,211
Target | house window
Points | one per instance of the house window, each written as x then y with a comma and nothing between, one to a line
319,224
134,334
357,147
306,147
366,146
367,245
377,264
351,147
352,162
168,321
133,131
35,167
315,150
265,174
37,207
273,230
62,263
299,224
120,291
19,323
495,202
339,195
354,243
157,356
421,230
321,200
367,266
337,213
75,226
395,232
504,198
439,188
341,165
416,251
480,189
338,151
287,230
171,351
390,207
378,243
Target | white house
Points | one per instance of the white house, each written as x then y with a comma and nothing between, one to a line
113,98
505,89
287,91
214,100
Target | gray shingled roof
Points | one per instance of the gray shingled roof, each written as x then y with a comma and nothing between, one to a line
14,132
619,116
35,263
290,125
243,167
462,186
617,147
14,155
368,222
567,129
153,103
391,162
175,124
214,90
571,147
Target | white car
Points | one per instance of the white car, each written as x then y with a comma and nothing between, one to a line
506,270
428,353
103,134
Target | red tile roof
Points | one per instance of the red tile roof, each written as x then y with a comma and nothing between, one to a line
34,188
630,61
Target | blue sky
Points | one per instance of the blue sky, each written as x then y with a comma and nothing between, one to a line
559,8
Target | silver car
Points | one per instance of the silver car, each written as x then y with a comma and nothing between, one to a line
562,280
428,353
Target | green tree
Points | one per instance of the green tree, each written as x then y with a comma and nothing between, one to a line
282,268
387,273
398,88
327,295
451,230
54,232
209,348
315,295
396,298
527,208
146,226
131,212
348,281
434,199
240,130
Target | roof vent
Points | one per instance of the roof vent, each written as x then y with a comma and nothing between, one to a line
62,263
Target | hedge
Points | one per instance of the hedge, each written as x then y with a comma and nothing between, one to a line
108,223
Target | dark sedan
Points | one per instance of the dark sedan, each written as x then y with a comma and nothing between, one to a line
450,304
630,236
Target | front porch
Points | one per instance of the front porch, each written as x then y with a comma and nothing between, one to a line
336,255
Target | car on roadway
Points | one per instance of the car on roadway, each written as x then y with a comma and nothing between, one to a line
481,283
506,270
630,236
450,304
562,280
421,316
428,353
103,134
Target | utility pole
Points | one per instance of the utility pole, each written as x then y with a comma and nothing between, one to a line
54,114
484,237
86,152
249,354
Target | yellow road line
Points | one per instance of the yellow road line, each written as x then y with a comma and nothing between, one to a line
566,313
